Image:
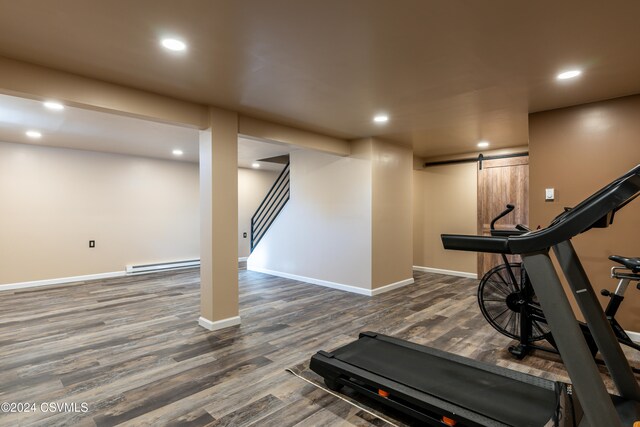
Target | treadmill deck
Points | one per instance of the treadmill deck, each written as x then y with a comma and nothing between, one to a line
503,395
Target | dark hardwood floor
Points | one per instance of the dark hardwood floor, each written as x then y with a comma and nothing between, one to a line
131,349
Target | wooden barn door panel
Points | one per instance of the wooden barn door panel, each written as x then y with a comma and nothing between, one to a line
501,182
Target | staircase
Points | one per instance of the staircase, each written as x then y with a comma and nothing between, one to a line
273,203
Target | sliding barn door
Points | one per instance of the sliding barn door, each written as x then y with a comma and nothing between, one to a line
501,182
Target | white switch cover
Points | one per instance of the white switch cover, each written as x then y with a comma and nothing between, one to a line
549,194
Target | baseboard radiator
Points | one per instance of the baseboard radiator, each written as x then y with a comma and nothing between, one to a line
163,266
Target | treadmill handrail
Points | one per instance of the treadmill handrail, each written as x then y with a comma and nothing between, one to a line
581,218
473,243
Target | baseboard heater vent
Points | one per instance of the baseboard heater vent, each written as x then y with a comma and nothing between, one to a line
163,266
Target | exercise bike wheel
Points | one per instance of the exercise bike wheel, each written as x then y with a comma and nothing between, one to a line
499,298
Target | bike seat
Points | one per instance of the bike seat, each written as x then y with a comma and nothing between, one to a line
632,264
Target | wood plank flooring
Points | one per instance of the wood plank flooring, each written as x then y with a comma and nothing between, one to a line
131,349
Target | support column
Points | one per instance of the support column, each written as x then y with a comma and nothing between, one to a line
391,216
219,221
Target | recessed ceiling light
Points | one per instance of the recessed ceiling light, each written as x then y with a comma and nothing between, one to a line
255,165
483,144
381,118
33,134
568,74
53,105
177,152
174,44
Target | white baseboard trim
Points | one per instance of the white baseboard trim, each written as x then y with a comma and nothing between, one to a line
392,286
635,336
325,283
334,285
243,258
61,280
449,272
218,324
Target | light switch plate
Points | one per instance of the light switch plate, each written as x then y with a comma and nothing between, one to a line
549,194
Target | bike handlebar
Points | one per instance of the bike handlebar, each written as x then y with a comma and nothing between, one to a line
504,213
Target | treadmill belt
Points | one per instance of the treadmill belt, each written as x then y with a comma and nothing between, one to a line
495,396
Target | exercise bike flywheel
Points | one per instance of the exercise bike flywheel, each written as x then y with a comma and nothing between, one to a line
501,296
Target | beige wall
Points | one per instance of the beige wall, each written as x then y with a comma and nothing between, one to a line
578,150
324,232
55,200
253,185
392,237
349,219
445,201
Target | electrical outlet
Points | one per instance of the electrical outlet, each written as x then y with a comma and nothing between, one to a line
92,243
244,234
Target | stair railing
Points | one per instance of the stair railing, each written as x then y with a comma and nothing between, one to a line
271,205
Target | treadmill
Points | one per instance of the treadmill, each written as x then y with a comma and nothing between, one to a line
442,389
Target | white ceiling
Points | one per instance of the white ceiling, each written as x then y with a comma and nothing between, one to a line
448,72
82,129
94,130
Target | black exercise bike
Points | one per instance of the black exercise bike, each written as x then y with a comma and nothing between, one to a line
508,302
